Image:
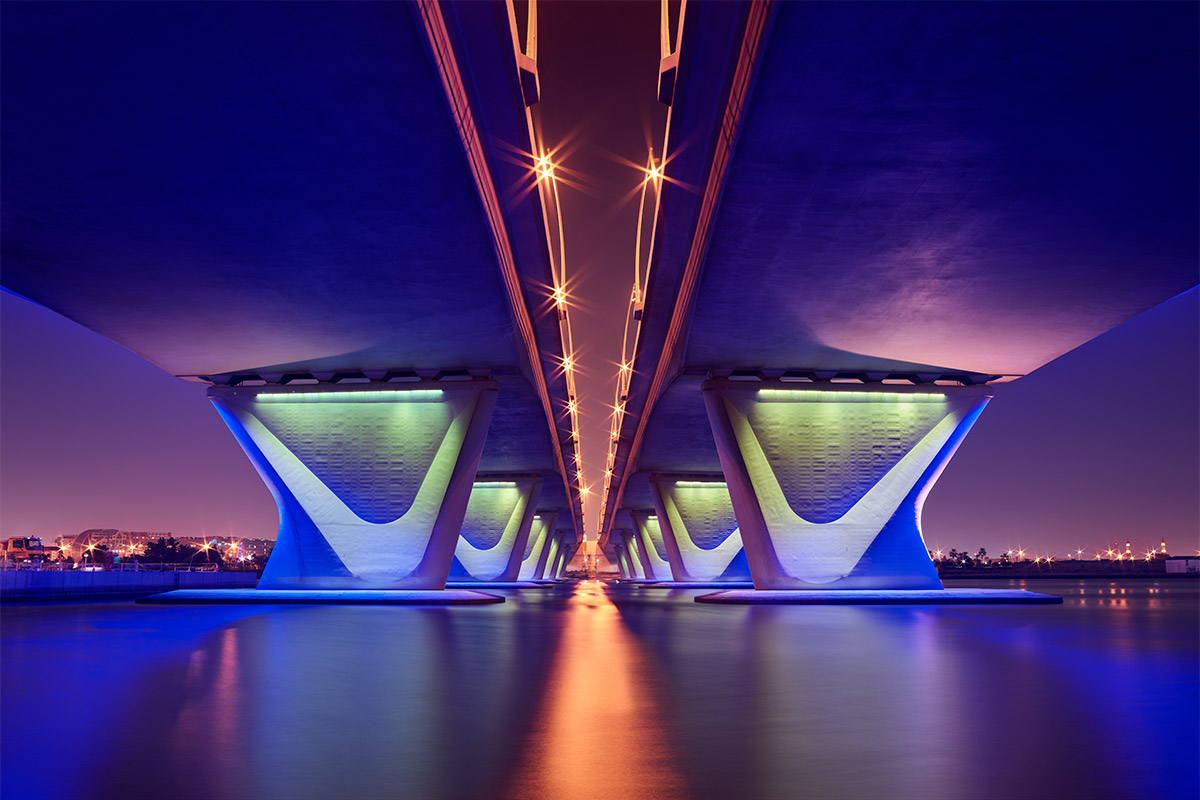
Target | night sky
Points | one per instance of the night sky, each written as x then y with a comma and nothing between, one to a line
1099,446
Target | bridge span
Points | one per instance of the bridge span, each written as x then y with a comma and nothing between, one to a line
341,218
332,214
866,216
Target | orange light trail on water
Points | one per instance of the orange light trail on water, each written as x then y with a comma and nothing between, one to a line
597,712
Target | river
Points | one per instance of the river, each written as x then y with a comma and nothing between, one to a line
591,690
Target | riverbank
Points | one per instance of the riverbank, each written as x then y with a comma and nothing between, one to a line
19,585
1111,570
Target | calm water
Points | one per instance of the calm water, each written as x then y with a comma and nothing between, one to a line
602,692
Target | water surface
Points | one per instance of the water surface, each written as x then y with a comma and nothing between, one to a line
598,691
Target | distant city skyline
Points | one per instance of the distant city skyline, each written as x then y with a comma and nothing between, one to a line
1100,446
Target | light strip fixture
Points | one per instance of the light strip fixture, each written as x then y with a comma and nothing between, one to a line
348,397
851,396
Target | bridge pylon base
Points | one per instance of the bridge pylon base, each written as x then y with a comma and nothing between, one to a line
496,528
533,567
827,483
371,481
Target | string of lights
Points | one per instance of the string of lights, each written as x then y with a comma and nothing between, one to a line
633,316
547,183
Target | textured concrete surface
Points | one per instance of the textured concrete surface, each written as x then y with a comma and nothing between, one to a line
372,486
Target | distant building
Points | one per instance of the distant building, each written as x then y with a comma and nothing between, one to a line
234,549
133,543
124,543
1183,564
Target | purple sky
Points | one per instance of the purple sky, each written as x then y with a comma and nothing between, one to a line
1100,445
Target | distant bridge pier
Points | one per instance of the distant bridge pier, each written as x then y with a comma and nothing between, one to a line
652,550
698,527
637,569
827,481
552,556
372,484
566,551
533,566
496,527
621,559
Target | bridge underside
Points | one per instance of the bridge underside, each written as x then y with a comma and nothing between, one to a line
225,188
978,188
899,200
324,199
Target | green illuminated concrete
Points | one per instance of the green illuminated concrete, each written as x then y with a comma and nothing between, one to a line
651,548
828,485
698,528
533,566
372,486
566,551
552,555
496,528
636,568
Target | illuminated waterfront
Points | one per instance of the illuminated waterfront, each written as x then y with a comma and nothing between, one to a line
590,690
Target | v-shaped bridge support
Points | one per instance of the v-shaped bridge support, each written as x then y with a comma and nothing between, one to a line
372,484
827,484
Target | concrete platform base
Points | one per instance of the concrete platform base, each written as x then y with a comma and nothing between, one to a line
697,584
359,597
808,597
493,585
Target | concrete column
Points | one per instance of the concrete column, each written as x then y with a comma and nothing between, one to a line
533,566
372,484
827,484
496,527
650,546
552,555
696,523
564,548
568,552
636,567
619,556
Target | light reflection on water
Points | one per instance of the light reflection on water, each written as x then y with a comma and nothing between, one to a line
599,711
598,691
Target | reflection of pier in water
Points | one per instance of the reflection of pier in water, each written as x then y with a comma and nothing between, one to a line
602,691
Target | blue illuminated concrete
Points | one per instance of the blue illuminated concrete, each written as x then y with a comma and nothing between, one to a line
828,484
494,538
867,597
492,584
372,485
698,528
533,566
699,584
651,547
353,597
